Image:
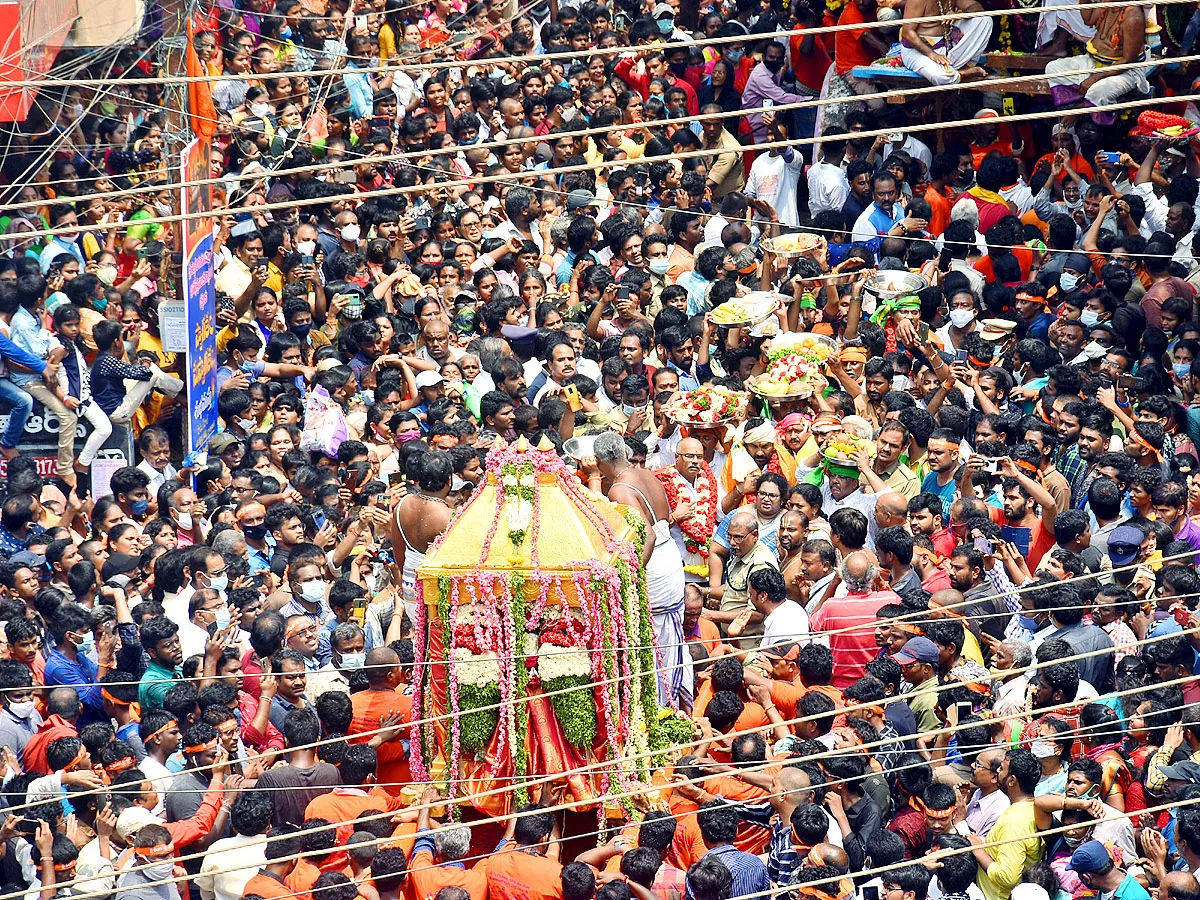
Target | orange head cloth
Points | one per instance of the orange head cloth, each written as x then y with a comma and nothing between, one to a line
202,748
853,354
1137,437
117,766
135,708
161,731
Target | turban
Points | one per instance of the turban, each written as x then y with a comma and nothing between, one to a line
853,354
760,434
890,305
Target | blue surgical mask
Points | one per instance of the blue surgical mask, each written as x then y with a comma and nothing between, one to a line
1028,623
220,583
1068,282
666,26
87,645
247,367
1089,317
285,32
100,304
353,660
224,616
139,507
734,56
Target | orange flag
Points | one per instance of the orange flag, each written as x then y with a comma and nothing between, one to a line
200,104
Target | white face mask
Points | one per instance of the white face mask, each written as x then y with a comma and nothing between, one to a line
107,274
1088,317
659,266
350,233
260,109
184,520
22,710
306,248
961,318
1043,749
353,660
163,209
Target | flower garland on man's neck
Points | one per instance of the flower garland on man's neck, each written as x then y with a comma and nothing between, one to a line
698,528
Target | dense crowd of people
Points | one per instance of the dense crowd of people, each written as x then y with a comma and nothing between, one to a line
932,612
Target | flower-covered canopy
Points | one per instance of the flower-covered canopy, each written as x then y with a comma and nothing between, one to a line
534,639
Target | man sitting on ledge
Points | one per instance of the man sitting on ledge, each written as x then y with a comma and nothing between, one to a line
946,51
1120,38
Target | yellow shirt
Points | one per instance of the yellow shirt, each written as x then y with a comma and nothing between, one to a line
1020,848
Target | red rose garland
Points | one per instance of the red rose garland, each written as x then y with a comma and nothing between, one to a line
697,530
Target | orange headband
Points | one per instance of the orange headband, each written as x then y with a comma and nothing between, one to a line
940,814
909,629
63,867
1027,466
111,699
232,729
163,730
930,555
853,354
805,890
156,849
202,748
1133,433
77,760
297,626
975,361
120,765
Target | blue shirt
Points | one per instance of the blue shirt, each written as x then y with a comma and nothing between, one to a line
28,335
81,675
749,872
946,493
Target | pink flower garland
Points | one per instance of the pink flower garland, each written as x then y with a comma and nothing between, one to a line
455,718
490,536
416,752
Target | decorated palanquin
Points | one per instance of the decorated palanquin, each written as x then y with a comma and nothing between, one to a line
540,647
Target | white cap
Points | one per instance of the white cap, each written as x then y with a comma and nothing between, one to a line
133,820
428,378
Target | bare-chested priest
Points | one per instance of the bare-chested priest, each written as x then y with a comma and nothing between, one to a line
946,51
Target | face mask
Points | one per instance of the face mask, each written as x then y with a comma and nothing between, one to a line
247,367
678,69
219,583
77,109
139,507
666,26
101,304
523,320
301,331
1029,624
224,616
163,209
350,233
22,710
313,591
630,410
1043,749
353,660
285,32
1089,317
659,266
961,318
1071,841
87,644
247,425
774,65
734,56
107,275
255,532
306,248
1181,370
260,109
1068,282
158,871
184,520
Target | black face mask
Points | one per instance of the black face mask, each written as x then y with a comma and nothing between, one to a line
773,65
255,532
678,68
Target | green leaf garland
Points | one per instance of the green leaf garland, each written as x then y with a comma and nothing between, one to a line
575,709
476,726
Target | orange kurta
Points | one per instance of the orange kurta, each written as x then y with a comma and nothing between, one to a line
513,874
370,708
426,878
268,887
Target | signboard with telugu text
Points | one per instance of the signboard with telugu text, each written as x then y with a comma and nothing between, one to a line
199,295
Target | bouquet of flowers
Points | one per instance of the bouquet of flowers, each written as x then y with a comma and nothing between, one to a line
706,406
565,669
672,729
478,672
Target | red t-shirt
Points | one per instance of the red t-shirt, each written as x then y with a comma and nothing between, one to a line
851,621
1041,541
809,68
848,48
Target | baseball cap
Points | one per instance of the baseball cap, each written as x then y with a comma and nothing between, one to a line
581,199
428,379
456,484
221,442
663,9
133,820
118,564
1182,771
918,649
27,558
787,651
1090,856
1124,544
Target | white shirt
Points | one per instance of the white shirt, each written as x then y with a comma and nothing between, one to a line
229,864
788,622
507,229
773,179
913,147
193,639
157,478
864,227
162,777
1019,196
827,188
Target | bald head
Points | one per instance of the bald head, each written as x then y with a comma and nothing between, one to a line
382,664
833,856
947,599
1177,884
793,779
891,509
745,518
858,572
